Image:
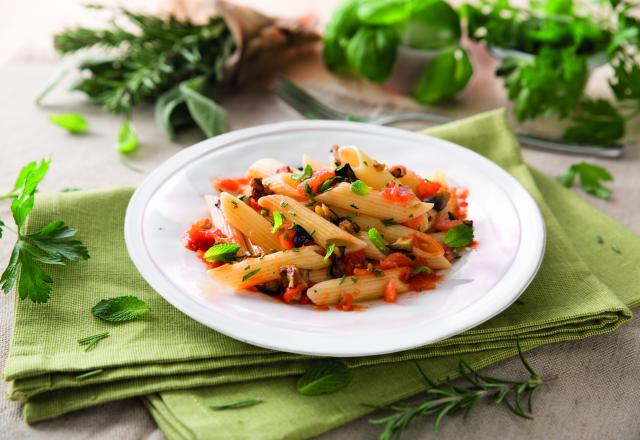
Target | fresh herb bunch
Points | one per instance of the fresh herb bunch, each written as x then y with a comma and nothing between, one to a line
363,37
548,51
175,64
450,399
51,245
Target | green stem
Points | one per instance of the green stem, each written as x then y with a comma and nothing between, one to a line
9,228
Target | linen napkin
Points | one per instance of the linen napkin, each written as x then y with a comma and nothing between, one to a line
583,289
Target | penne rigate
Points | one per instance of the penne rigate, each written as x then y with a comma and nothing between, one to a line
264,168
366,169
221,222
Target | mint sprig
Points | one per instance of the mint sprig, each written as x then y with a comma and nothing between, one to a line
120,309
328,376
222,253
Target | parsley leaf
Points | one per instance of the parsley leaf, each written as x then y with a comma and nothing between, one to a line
127,138
329,376
378,241
277,221
120,308
360,188
590,178
306,173
597,121
72,122
459,236
222,253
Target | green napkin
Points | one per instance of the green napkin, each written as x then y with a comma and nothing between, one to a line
583,289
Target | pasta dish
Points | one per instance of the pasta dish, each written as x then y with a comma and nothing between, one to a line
332,235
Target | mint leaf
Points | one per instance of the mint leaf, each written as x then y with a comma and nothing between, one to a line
72,122
250,274
459,236
277,221
590,176
360,188
307,172
208,115
330,248
242,403
127,138
329,376
378,241
223,253
420,269
119,309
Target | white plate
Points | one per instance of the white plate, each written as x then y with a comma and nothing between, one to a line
507,222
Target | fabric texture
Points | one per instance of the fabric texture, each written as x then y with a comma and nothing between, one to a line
182,366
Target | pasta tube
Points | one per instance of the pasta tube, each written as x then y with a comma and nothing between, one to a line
363,166
221,222
249,222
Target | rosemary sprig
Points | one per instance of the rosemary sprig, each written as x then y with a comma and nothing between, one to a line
449,399
90,342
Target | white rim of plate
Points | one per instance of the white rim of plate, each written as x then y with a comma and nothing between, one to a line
523,269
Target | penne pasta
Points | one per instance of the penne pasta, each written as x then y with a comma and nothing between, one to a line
314,164
318,275
411,180
323,231
249,222
438,263
361,288
220,221
373,204
253,271
265,167
365,168
283,184
370,251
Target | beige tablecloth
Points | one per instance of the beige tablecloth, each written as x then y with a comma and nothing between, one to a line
594,397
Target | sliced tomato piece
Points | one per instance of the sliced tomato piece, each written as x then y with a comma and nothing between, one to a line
317,178
396,259
230,184
414,223
353,260
291,293
397,193
391,292
286,238
427,189
346,303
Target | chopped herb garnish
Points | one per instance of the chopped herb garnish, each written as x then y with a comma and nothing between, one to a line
354,280
353,205
247,267
600,239
616,249
72,122
306,173
378,272
459,236
284,204
89,374
378,241
250,274
590,178
221,253
388,222
330,248
342,278
312,233
277,221
295,250
234,203
420,269
309,193
243,403
327,184
360,188
366,164
90,342
292,213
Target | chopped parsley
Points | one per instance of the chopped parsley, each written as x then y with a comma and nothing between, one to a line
306,174
354,280
420,269
353,205
388,222
234,203
342,278
250,274
378,241
284,204
330,248
277,221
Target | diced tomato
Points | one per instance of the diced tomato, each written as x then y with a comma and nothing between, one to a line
448,253
291,293
231,185
397,193
254,205
317,178
427,189
360,271
443,223
353,260
286,238
346,303
423,281
394,260
200,237
391,292
414,223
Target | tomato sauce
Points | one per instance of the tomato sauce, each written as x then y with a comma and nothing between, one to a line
397,193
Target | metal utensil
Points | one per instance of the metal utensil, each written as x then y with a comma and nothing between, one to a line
312,108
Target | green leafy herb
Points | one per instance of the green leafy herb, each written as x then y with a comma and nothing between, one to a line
590,178
342,278
277,221
330,248
616,249
389,222
450,399
459,236
378,241
420,269
328,376
127,138
250,274
52,244
445,76
89,374
242,403
222,253
120,309
309,193
354,280
67,190
371,52
90,342
284,204
72,122
307,172
599,239
595,122
327,184
360,188
209,116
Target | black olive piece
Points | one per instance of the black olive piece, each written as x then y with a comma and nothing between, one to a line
301,237
439,201
346,172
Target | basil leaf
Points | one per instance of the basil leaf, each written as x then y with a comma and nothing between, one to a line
445,77
339,30
127,138
360,188
329,376
277,221
209,116
378,241
372,52
431,24
120,308
459,236
223,252
307,172
383,12
72,122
